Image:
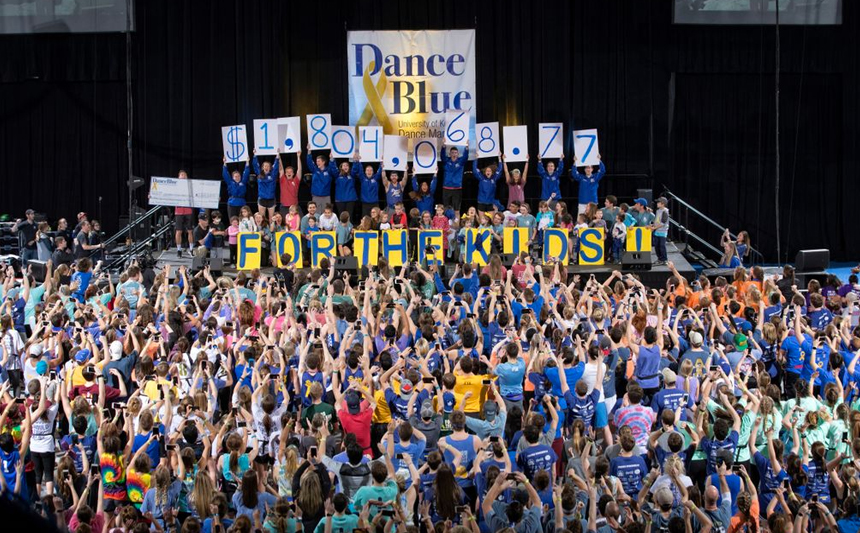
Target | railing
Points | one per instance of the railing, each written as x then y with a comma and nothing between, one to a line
709,220
140,246
115,237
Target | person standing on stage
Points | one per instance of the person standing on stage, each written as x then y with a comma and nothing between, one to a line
452,187
369,188
290,179
588,183
550,190
237,185
345,195
184,222
660,227
26,230
266,186
487,183
321,180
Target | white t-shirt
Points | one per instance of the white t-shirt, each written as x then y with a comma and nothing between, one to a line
589,375
14,345
42,438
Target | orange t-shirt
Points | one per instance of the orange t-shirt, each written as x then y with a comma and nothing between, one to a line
739,520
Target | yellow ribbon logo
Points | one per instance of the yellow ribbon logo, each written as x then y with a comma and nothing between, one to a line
374,100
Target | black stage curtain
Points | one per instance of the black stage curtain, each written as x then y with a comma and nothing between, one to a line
688,107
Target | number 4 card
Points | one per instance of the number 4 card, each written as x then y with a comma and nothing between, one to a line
585,147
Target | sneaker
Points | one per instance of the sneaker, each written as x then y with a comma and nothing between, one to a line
660,263
179,252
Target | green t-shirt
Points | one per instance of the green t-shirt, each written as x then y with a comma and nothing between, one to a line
292,527
324,408
385,493
339,524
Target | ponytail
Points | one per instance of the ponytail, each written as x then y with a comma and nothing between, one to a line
234,461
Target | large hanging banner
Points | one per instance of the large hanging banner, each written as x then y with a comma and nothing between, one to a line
404,81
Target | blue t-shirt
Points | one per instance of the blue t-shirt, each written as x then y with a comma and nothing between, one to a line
535,458
582,408
264,499
710,447
153,449
630,471
794,356
734,483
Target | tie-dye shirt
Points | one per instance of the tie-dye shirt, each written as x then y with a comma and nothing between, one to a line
113,476
137,483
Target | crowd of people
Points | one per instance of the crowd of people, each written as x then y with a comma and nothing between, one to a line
519,399
356,206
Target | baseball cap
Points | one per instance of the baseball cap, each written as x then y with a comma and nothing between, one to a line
29,212
696,338
641,201
353,402
490,410
82,355
36,350
41,368
605,344
427,411
405,388
202,216
669,376
740,341
115,350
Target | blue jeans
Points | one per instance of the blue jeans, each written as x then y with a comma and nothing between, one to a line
28,255
660,247
617,245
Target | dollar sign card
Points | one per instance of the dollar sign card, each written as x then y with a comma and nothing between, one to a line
235,142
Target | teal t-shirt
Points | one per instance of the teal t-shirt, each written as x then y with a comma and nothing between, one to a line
385,493
339,524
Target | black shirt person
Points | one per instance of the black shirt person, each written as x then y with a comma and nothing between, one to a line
26,230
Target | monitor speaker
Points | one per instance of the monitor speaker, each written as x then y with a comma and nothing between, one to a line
648,194
812,260
636,261
39,269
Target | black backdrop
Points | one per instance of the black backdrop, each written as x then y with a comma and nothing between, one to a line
688,107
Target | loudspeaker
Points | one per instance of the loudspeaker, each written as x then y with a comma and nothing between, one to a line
349,263
812,260
216,264
39,269
141,230
636,261
648,194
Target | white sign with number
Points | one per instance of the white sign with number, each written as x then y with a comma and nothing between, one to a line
551,139
290,134
456,128
370,143
585,147
343,141
265,136
235,142
516,143
395,152
319,131
425,156
487,135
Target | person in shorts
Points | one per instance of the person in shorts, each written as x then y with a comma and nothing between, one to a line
183,223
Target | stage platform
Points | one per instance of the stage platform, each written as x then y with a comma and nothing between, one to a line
655,277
